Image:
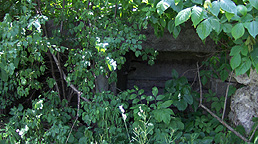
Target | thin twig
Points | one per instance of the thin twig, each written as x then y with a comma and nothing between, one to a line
225,103
214,115
253,133
198,72
225,124
53,75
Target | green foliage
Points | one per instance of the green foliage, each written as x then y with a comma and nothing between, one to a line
53,51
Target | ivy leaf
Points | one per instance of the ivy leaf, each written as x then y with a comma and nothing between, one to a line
252,28
163,115
238,31
163,5
215,8
228,6
196,16
244,67
204,29
254,3
183,16
235,61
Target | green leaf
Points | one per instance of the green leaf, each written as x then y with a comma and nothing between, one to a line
188,98
132,96
177,7
254,3
174,74
214,9
162,6
244,50
197,1
238,31
235,61
227,28
228,6
155,91
163,22
223,75
176,31
171,26
197,15
242,10
163,115
235,50
204,29
181,105
215,24
252,28
219,128
183,16
160,97
244,67
204,80
166,104
229,15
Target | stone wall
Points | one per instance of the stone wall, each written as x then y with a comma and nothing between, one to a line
180,54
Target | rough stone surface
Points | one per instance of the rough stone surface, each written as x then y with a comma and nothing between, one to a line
251,80
244,103
244,107
187,41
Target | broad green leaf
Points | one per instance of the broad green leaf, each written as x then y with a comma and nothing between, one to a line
171,26
223,75
176,31
247,18
188,98
166,104
181,105
254,3
228,6
235,61
214,9
160,97
215,24
177,7
163,5
174,74
163,22
163,115
244,50
227,28
196,16
183,16
235,50
229,15
242,10
155,91
204,29
254,54
252,28
238,31
244,67
197,1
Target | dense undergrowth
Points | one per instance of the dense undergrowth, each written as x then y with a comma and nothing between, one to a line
59,63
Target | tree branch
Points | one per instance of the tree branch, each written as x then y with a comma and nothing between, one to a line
214,115
226,96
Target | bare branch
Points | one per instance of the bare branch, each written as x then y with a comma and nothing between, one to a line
214,115
225,103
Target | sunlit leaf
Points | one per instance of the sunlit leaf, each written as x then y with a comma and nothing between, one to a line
183,16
